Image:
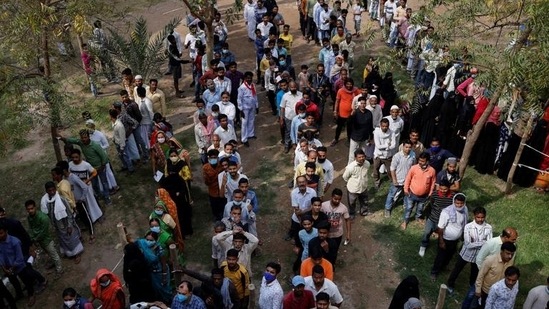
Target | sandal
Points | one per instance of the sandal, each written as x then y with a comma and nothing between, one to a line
31,301
77,259
364,212
92,240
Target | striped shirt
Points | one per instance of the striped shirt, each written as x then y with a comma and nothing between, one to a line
474,236
438,203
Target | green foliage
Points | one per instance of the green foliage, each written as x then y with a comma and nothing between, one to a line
140,52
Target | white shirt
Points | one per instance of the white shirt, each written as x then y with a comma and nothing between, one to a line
396,125
270,295
328,169
288,103
264,28
228,109
449,79
325,15
328,287
225,135
192,38
356,177
452,230
222,84
384,143
537,298
302,201
100,138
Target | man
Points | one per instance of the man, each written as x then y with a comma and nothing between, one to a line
504,292
247,215
119,138
175,61
343,107
225,131
418,186
222,83
270,293
315,258
203,131
40,234
236,77
288,112
97,157
450,230
327,167
157,97
384,145
339,36
68,233
323,301
493,270
138,81
14,265
493,245
538,297
301,169
349,46
356,176
249,19
249,107
100,138
417,146
451,175
249,195
322,243
338,215
64,188
396,124
193,39
324,23
439,200
301,203
298,297
438,155
475,234
239,239
239,276
317,283
133,110
400,165
265,26
228,181
210,172
360,128
184,299
216,291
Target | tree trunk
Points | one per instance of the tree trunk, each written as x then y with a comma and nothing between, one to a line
525,136
209,39
472,136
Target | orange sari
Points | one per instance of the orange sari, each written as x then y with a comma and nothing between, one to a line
111,296
172,210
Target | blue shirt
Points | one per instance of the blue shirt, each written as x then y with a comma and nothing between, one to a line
305,237
194,303
252,197
11,254
210,98
279,95
295,125
438,158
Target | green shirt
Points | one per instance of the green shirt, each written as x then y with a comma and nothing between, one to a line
95,155
40,228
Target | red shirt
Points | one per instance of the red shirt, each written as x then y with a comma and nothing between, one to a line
306,301
311,108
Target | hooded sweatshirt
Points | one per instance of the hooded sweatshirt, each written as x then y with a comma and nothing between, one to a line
385,144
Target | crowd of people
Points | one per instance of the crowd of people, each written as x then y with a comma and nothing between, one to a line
415,148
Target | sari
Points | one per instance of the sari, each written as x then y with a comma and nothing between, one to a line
167,222
111,296
153,257
172,210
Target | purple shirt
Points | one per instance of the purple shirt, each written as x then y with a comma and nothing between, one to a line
236,78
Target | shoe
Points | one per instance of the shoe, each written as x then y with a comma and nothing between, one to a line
122,169
286,149
246,144
387,214
333,143
433,277
450,290
252,137
288,237
422,251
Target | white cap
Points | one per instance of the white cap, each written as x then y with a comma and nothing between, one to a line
395,107
90,122
138,77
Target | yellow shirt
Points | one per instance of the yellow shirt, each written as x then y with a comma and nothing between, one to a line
491,271
238,278
288,41
158,99
65,190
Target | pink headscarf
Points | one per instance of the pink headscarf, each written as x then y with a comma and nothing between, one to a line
494,116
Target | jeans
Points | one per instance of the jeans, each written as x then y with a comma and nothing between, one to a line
288,128
50,249
102,176
460,264
410,201
361,198
123,154
430,228
390,201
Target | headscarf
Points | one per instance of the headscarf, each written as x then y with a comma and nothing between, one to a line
452,210
59,209
164,196
413,303
494,116
409,287
108,294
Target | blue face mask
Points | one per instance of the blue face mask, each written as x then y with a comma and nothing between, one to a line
268,276
180,297
212,161
282,63
151,243
159,212
435,148
155,229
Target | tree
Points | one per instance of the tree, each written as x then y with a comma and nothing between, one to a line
141,52
523,63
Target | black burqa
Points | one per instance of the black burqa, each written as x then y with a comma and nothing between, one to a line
387,92
430,117
486,148
409,287
137,275
179,191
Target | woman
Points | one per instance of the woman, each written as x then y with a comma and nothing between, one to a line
157,266
108,289
387,92
177,182
160,150
170,207
336,68
136,275
166,221
488,142
165,239
408,288
71,300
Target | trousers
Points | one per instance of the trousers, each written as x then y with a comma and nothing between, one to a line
247,127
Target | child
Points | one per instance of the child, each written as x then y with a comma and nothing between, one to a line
357,13
303,78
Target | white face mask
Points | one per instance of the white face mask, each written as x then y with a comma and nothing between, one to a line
174,159
70,303
161,140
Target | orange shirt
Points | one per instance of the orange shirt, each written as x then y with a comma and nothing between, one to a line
210,179
420,182
345,98
307,268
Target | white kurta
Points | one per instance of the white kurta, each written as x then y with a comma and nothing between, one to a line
249,18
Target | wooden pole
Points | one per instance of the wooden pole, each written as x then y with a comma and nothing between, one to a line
251,303
122,233
175,263
441,296
525,136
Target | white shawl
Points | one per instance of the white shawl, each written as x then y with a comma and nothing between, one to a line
59,209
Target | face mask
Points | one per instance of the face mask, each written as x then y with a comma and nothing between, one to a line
181,298
293,91
155,229
161,140
104,284
212,161
70,303
225,51
423,166
306,101
456,65
302,115
268,276
435,148
237,203
159,212
174,159
201,109
473,75
214,114
321,160
151,243
282,63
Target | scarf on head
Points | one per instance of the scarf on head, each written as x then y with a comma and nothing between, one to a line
413,303
452,211
59,209
226,294
251,87
494,116
108,294
164,196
